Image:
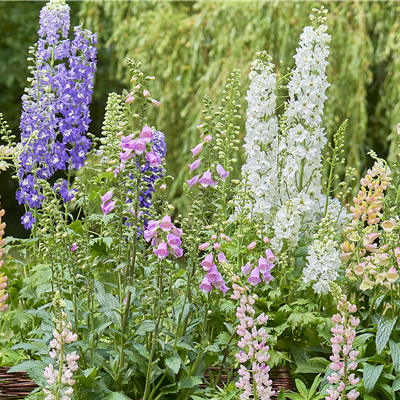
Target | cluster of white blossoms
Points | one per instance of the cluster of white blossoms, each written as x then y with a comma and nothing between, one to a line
262,139
284,158
286,226
305,138
323,260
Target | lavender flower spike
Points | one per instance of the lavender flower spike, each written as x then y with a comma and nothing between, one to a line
55,110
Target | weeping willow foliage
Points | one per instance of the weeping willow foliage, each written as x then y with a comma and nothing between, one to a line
191,47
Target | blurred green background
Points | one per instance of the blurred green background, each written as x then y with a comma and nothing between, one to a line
191,47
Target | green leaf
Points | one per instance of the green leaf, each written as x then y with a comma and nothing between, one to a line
88,371
146,326
300,355
301,387
185,346
189,382
361,339
116,396
294,396
108,241
28,346
309,369
20,318
387,390
395,352
396,385
173,388
301,251
371,376
281,395
213,348
174,364
27,365
230,394
385,328
182,314
106,300
314,386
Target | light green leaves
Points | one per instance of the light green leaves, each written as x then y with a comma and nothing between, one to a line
371,376
385,328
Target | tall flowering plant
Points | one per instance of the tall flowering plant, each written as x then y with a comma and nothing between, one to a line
153,299
55,109
370,263
344,356
284,199
59,378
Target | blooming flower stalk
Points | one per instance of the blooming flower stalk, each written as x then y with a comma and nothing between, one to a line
165,237
323,259
254,354
59,376
55,110
284,164
3,278
344,357
262,132
371,250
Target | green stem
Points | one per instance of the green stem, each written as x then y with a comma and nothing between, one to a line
188,295
328,189
225,357
129,271
203,334
153,344
158,384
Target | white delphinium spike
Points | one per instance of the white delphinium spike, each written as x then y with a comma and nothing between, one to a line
301,172
305,137
262,135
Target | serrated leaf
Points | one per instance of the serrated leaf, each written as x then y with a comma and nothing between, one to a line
108,241
41,314
385,328
222,339
395,353
146,326
185,346
20,318
174,364
189,382
27,365
300,355
142,350
213,348
301,251
28,346
371,376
